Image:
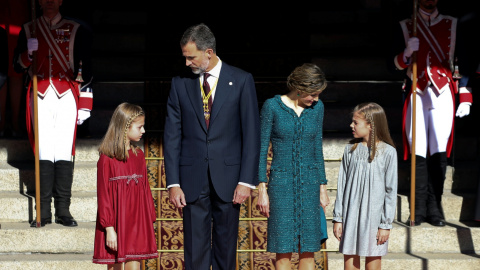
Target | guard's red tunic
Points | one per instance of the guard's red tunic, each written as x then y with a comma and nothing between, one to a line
435,58
55,65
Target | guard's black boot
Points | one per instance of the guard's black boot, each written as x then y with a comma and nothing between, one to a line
46,191
437,168
63,193
421,189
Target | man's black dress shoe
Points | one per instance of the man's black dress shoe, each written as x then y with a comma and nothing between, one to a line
43,222
66,221
436,222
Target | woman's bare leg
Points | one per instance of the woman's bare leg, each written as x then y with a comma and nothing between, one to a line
283,261
307,261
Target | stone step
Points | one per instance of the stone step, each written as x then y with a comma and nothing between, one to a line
455,207
21,208
462,178
18,237
455,237
416,260
392,261
16,173
332,168
29,261
333,146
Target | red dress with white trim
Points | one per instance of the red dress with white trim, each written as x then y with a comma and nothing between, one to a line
125,202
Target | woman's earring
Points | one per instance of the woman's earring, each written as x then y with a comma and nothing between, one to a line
298,94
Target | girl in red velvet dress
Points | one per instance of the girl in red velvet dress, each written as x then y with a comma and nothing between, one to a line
126,213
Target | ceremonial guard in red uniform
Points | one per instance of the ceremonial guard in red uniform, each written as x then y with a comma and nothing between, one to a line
64,101
437,87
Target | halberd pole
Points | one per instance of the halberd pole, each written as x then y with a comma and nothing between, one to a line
35,117
414,98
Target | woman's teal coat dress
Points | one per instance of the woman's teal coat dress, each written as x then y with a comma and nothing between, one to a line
297,222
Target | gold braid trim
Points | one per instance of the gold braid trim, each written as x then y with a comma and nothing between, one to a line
373,147
127,126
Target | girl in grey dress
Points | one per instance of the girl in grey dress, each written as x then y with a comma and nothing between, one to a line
367,189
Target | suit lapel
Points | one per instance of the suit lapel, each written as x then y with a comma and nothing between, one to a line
193,86
225,87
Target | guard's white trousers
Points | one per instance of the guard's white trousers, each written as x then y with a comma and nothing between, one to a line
56,125
434,122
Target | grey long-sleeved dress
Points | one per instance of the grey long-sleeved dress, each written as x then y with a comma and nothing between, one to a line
296,173
366,198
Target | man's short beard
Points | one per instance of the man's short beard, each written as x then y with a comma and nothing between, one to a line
202,68
197,71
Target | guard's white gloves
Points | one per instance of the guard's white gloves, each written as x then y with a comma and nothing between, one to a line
463,109
412,46
32,45
82,116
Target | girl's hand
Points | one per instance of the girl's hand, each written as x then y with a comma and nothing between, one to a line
324,200
263,203
338,230
111,238
382,236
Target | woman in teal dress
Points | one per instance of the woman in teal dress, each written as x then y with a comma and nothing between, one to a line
297,194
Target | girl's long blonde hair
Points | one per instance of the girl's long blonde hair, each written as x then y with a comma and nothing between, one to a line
114,143
375,116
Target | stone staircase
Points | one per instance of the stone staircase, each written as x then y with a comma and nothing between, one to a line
58,247
423,247
53,246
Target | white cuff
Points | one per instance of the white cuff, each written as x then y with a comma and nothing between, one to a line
247,185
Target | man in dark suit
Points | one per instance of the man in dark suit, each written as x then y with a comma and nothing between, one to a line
211,145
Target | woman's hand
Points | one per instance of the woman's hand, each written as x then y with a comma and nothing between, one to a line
263,203
338,230
324,200
382,236
111,238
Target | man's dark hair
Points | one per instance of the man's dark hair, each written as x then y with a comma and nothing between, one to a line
201,35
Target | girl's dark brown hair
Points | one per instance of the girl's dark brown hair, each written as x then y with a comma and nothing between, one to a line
114,143
375,116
